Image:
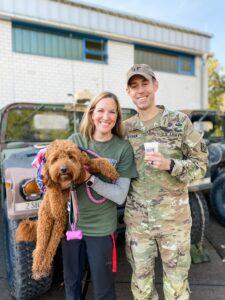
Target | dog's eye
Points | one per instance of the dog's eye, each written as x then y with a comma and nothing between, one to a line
71,157
53,160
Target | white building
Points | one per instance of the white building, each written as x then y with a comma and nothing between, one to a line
49,48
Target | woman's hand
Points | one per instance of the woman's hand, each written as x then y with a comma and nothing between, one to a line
157,161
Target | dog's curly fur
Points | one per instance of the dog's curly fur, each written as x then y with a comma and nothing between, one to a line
65,164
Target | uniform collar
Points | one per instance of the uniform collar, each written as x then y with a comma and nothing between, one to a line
163,122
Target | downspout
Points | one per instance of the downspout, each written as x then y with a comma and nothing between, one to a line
204,82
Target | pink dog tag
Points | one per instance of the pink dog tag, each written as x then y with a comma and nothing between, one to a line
74,235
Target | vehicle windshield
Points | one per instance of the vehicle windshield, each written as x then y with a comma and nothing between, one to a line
40,123
211,125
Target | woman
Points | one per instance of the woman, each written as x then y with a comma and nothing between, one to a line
100,131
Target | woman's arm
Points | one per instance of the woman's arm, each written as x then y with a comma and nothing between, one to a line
116,192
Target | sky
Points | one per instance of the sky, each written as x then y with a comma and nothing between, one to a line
203,15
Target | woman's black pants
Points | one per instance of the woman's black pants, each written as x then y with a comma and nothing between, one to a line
98,251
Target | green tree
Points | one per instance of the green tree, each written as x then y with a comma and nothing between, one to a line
216,84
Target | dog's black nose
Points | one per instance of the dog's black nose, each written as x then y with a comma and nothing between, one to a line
63,169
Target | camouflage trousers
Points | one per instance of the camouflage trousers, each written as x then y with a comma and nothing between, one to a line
143,242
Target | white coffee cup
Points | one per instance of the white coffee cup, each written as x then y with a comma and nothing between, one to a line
151,147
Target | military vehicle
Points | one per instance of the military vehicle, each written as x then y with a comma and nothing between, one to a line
211,189
216,147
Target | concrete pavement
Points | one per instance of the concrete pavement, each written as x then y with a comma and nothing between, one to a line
207,280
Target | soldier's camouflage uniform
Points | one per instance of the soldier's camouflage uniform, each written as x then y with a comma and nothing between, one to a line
157,213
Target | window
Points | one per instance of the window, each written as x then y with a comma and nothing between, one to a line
186,65
95,50
166,61
43,41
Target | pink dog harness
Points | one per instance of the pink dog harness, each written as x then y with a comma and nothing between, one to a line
38,163
88,190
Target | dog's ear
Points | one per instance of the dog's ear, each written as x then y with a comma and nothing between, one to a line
84,160
46,176
82,176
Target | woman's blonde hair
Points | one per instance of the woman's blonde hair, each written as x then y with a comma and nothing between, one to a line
87,127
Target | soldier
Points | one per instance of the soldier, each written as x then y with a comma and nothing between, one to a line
157,213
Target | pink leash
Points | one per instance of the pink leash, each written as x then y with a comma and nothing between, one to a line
100,201
74,234
88,190
77,234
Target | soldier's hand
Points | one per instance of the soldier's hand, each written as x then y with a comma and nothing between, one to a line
157,161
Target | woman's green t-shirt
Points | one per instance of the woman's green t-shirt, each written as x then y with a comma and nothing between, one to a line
101,219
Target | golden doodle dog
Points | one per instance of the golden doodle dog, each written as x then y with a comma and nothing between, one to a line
65,164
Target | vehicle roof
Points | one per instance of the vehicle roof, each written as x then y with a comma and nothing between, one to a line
211,112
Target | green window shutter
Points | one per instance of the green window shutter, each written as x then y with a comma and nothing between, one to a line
158,61
17,39
40,43
76,48
33,42
38,40
26,41
61,46
68,48
55,44
165,60
48,44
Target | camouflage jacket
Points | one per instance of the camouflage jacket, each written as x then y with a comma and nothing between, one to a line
178,140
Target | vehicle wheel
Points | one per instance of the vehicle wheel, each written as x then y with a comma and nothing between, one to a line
18,265
200,216
217,198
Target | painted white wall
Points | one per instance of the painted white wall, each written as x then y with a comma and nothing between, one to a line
45,79
6,69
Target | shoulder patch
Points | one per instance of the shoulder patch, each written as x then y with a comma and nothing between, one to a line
203,147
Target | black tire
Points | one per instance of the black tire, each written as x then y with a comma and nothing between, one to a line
200,216
217,198
18,258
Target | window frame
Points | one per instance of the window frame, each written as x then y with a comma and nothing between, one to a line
102,53
180,70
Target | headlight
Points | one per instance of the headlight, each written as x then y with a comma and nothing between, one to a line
30,190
